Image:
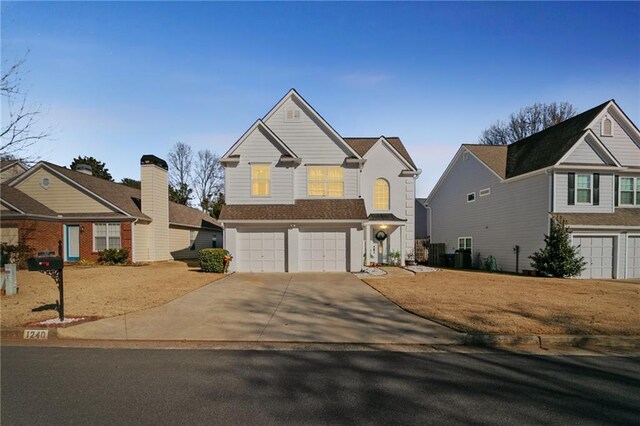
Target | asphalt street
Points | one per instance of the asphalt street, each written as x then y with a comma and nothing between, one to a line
48,385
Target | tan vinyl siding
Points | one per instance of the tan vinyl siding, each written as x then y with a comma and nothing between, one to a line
141,231
155,204
179,242
60,196
620,144
257,148
514,213
12,171
306,137
9,235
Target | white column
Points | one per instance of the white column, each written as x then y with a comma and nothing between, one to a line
403,249
367,244
293,249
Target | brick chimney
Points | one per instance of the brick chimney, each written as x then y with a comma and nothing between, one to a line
155,204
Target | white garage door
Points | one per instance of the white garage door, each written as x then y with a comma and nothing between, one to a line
323,251
261,251
598,253
633,257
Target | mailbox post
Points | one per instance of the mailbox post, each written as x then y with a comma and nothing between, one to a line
52,266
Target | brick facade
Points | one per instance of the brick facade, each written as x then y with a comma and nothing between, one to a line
44,235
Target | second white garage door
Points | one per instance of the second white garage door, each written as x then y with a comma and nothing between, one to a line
323,251
261,251
598,253
633,257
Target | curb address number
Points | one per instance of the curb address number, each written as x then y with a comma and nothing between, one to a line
36,334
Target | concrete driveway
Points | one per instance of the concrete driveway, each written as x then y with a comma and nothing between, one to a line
277,307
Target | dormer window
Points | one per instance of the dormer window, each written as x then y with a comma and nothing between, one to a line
292,114
607,127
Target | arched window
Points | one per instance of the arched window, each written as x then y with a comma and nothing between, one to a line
381,195
607,127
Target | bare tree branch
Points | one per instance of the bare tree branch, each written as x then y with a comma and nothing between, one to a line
527,121
208,179
18,131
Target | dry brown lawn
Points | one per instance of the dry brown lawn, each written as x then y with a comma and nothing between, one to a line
507,304
102,291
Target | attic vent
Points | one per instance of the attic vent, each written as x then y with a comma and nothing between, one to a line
465,156
607,127
84,168
292,115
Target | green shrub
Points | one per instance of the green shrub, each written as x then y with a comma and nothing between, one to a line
113,256
213,259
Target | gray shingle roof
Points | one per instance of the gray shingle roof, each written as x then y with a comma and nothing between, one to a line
621,217
23,202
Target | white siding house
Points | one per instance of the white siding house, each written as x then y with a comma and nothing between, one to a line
300,197
500,197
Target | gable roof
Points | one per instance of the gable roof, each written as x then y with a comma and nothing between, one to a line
546,148
6,164
362,145
22,202
254,126
493,156
294,94
128,199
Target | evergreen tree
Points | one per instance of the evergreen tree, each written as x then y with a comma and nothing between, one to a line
558,258
133,183
180,195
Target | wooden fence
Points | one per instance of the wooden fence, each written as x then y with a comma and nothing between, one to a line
435,250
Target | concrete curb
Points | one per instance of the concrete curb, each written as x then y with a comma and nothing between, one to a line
553,341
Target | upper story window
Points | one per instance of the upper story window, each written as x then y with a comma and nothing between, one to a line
381,195
629,191
583,189
325,181
471,197
260,180
106,236
606,127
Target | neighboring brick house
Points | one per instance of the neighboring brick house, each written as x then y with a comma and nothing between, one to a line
49,203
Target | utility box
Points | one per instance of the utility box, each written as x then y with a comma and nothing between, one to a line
462,259
45,263
10,279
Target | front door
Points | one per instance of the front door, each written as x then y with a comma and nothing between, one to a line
72,236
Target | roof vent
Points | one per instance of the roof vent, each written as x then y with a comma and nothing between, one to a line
84,168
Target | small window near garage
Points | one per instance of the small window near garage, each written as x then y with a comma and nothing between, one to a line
484,192
629,191
192,239
606,127
106,236
471,197
292,114
465,243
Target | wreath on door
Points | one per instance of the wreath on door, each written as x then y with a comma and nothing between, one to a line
381,235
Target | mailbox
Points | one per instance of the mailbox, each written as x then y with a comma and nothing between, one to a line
45,263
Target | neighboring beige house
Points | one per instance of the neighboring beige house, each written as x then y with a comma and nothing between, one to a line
498,200
300,197
11,168
49,203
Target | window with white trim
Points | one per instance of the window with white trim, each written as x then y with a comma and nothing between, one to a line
381,194
465,243
584,189
606,127
484,192
325,181
471,197
260,180
106,236
629,191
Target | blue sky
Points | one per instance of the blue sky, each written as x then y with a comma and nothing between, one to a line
118,80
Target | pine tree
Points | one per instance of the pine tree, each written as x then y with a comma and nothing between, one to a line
558,258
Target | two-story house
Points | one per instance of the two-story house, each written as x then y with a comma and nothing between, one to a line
300,197
498,200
